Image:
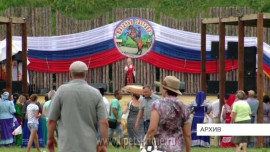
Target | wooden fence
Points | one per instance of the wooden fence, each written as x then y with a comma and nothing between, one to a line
40,23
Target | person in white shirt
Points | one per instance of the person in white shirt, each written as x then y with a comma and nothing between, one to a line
215,108
33,115
107,108
215,112
105,100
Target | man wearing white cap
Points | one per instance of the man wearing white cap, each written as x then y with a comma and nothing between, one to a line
78,108
253,103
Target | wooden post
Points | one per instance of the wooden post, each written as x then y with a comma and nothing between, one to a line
203,57
260,75
9,58
222,77
241,55
24,57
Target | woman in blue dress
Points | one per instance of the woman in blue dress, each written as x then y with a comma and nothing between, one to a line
200,108
7,110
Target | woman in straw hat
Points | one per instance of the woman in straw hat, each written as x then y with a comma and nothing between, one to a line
135,136
169,122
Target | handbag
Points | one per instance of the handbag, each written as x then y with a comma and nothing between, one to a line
125,116
112,122
149,148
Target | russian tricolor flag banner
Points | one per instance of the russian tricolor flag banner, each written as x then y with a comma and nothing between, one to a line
170,49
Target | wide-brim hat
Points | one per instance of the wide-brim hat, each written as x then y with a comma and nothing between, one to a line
171,83
136,89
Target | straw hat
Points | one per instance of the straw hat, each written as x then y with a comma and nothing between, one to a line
137,89
171,83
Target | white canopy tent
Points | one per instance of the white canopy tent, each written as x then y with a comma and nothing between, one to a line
16,48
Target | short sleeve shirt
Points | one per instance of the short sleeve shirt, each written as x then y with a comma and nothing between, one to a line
173,115
146,104
46,106
254,105
31,108
266,109
115,104
215,108
107,106
242,110
6,109
77,107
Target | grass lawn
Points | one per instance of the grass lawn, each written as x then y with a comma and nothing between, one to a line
112,149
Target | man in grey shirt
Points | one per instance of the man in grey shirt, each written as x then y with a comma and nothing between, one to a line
78,108
253,103
145,107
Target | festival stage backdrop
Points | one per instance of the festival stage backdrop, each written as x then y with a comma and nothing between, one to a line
172,49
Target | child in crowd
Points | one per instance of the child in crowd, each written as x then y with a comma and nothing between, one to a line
33,116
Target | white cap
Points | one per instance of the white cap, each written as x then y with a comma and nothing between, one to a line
78,66
251,93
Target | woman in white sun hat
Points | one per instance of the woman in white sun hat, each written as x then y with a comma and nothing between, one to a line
135,136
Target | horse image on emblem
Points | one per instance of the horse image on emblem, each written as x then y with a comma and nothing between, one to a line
134,37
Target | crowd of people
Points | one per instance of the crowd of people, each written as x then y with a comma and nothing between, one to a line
25,114
78,115
241,107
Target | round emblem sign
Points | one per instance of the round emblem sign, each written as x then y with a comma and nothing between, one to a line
134,37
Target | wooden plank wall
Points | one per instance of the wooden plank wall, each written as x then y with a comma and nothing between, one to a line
145,73
192,81
231,30
39,22
193,25
66,25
